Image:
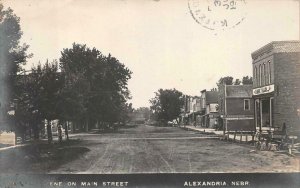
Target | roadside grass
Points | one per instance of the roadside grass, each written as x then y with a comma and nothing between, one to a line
129,126
40,157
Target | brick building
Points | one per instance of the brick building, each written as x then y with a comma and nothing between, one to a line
236,108
276,86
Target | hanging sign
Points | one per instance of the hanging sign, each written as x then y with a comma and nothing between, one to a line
263,90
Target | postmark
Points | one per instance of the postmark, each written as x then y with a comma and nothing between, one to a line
218,14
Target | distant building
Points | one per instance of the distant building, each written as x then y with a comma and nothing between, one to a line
138,117
209,103
190,110
276,86
236,108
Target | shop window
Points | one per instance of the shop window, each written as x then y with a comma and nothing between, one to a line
264,74
247,104
255,76
221,106
259,76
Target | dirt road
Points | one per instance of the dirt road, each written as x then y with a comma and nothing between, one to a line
147,149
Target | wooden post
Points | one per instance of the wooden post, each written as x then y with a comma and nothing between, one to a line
234,136
241,138
246,137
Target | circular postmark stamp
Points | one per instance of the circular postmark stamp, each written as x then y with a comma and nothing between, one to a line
218,14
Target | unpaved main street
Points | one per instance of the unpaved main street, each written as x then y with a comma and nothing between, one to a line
148,149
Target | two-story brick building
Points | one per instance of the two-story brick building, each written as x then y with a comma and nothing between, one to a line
236,108
276,86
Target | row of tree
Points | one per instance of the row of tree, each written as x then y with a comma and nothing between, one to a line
84,86
167,103
229,80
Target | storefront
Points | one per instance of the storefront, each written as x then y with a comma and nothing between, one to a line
276,87
264,105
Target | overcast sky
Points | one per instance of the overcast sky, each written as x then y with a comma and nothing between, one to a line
158,40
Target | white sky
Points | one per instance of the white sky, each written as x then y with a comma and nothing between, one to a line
158,40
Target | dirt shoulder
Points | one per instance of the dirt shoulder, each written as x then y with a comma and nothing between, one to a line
39,157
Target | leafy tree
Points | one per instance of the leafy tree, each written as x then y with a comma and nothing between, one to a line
166,105
26,104
49,93
100,84
126,111
247,80
228,80
12,56
79,65
237,82
70,107
115,85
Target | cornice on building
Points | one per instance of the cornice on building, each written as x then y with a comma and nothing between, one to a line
277,47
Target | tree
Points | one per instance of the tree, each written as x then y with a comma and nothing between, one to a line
117,93
49,93
247,80
12,56
228,80
26,112
100,84
127,110
237,82
79,65
167,104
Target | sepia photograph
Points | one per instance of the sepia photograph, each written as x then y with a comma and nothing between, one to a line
149,93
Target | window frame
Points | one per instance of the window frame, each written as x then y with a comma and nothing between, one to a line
248,100
264,74
255,76
269,65
260,75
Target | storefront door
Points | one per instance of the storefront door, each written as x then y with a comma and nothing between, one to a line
265,112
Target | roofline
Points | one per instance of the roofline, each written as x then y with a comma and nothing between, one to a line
270,45
241,85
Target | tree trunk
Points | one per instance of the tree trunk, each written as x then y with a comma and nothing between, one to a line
87,125
74,126
67,130
35,131
30,131
49,131
59,133
23,133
